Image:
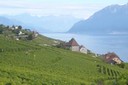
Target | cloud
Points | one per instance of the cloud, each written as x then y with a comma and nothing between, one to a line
119,33
81,10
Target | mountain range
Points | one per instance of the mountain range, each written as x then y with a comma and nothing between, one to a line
110,20
40,23
6,21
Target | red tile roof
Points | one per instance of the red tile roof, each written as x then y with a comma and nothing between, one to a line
73,42
82,46
110,56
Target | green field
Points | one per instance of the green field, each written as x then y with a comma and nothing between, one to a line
30,63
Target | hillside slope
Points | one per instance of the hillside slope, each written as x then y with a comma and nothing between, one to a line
26,63
110,20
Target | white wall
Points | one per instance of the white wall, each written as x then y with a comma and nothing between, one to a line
75,48
83,50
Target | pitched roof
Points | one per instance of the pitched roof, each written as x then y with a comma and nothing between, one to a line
110,56
82,46
73,42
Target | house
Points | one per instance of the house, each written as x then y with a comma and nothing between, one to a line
82,49
112,58
21,33
21,37
16,27
72,45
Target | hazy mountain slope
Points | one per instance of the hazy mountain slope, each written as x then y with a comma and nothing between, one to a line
51,23
6,21
110,20
12,21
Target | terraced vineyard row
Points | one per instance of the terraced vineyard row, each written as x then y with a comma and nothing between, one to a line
107,71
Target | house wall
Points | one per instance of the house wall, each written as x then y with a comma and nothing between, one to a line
83,50
75,48
117,60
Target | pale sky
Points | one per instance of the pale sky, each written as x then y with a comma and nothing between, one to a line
77,8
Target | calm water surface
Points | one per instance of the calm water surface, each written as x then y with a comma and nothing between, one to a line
98,44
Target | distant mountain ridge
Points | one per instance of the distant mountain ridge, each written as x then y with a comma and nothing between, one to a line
50,23
10,22
6,21
110,20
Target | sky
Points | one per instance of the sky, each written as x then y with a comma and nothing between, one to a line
76,8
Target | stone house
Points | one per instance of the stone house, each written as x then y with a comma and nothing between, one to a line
112,58
74,46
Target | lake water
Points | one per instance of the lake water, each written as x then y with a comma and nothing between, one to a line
98,44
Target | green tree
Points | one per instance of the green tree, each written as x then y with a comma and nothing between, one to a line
19,27
122,65
30,36
1,30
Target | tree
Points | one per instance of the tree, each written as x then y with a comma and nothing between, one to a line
30,36
122,65
16,31
19,27
1,30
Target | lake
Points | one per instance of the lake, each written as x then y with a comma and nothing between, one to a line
98,44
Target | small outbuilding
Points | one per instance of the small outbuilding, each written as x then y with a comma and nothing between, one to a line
83,49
